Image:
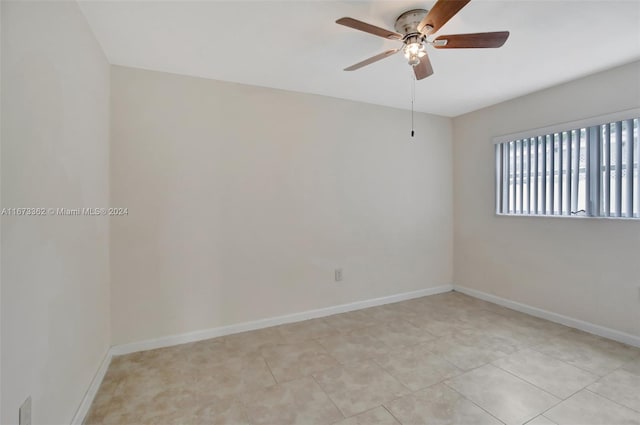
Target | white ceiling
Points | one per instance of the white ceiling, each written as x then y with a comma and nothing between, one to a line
296,45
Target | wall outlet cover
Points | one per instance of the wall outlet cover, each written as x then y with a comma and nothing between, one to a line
338,275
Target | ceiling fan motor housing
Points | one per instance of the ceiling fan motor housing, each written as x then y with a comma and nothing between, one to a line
407,23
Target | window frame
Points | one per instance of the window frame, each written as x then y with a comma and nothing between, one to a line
628,114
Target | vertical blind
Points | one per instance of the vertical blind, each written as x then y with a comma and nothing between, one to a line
590,171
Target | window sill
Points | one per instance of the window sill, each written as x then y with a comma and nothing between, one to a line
579,217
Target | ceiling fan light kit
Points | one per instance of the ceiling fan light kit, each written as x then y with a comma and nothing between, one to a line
413,29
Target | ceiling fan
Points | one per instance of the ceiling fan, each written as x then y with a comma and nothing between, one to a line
415,26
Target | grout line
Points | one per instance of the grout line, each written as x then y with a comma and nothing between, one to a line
491,363
458,370
389,412
536,349
566,398
392,376
471,401
328,396
547,418
530,383
409,391
536,417
558,404
613,401
365,411
270,371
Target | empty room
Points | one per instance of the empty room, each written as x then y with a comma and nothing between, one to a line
320,212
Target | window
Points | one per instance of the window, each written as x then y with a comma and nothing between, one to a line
583,170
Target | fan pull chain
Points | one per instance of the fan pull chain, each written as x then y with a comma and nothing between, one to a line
413,98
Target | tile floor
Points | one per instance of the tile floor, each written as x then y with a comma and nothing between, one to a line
443,359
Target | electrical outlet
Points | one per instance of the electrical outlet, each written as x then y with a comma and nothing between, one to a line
24,414
338,275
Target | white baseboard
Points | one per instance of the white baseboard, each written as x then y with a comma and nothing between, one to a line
82,411
553,317
200,335
167,341
322,312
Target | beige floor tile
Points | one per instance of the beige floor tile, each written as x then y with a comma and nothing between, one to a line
519,319
306,330
109,410
633,366
168,404
253,341
293,361
587,408
508,398
548,373
541,420
376,416
220,412
416,367
166,363
359,387
201,354
451,300
235,376
498,343
183,363
439,326
550,328
175,417
123,366
105,399
400,333
207,382
589,352
485,319
352,320
626,351
425,310
170,399
142,386
438,405
620,386
500,324
468,349
516,335
355,346
295,402
389,312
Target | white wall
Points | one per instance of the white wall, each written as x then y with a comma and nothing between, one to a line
55,270
582,268
243,200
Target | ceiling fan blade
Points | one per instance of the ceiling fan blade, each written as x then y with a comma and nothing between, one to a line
423,69
372,59
371,29
440,14
470,41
